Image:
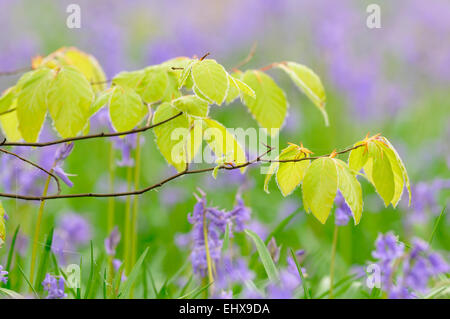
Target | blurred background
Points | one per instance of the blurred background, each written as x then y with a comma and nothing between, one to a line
394,80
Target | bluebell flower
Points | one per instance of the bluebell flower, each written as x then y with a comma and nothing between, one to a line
343,213
112,241
3,275
54,287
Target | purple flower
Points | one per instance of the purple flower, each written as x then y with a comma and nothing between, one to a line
3,275
405,273
238,216
112,241
54,287
72,230
343,213
60,155
230,272
116,265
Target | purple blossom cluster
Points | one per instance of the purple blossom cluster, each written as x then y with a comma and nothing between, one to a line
73,230
404,274
211,222
425,200
343,213
3,275
54,285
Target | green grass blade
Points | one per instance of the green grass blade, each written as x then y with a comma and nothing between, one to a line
124,291
196,292
28,281
11,294
436,225
264,255
304,283
44,260
91,274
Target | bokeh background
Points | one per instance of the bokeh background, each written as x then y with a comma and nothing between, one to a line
394,80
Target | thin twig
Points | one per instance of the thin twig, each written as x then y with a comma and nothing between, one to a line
135,192
15,72
313,157
35,165
86,137
249,57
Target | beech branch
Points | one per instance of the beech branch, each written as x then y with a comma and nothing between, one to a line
87,137
35,165
258,159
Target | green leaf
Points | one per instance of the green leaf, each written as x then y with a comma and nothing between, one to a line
402,166
31,103
129,79
126,109
320,187
69,99
309,83
172,88
379,171
192,105
86,64
350,189
10,125
153,85
2,225
7,99
264,255
125,290
291,174
358,157
185,74
172,137
270,106
200,95
211,80
236,88
102,99
223,143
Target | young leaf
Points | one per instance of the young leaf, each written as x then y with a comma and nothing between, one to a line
125,290
129,79
171,137
126,109
308,82
10,125
291,174
211,80
86,64
102,99
264,255
154,84
192,105
270,106
402,166
358,157
288,174
69,99
7,99
379,171
31,103
223,143
233,90
185,74
350,189
200,95
320,186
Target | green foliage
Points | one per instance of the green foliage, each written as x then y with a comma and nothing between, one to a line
31,102
69,99
126,109
264,255
308,82
211,80
192,105
269,108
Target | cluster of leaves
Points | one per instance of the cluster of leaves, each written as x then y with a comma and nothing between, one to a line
322,177
71,86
